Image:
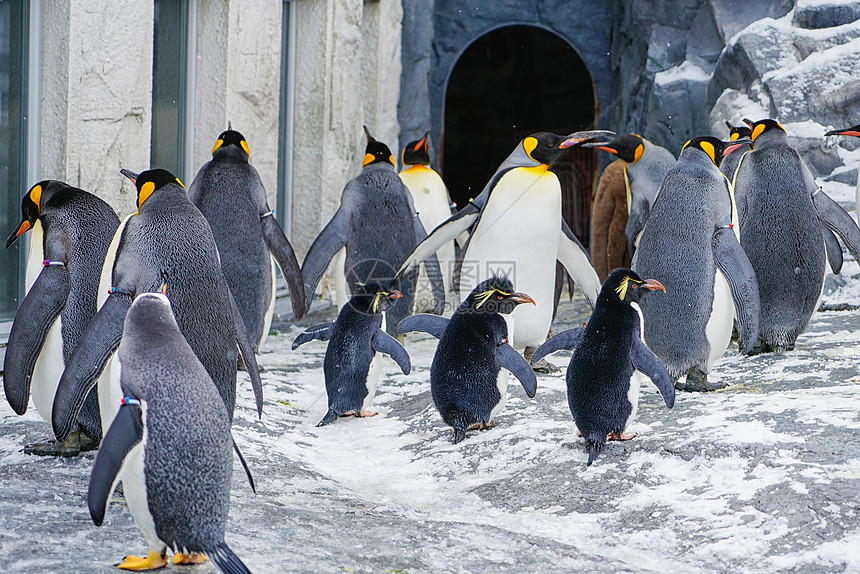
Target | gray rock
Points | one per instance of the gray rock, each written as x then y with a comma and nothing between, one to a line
732,16
816,15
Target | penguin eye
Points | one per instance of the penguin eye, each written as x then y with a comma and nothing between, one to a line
635,285
500,296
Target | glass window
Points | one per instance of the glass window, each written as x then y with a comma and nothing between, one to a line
13,97
169,86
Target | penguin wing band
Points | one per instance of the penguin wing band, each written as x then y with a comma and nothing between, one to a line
95,346
511,360
424,322
124,433
736,267
40,308
646,362
382,342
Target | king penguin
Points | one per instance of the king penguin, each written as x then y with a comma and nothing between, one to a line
467,382
377,224
72,229
167,244
781,210
433,204
690,245
517,227
604,374
608,243
355,337
853,131
228,191
645,165
170,444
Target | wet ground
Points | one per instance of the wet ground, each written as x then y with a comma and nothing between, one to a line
763,476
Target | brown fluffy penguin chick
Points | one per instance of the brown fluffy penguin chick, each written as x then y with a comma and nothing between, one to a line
608,220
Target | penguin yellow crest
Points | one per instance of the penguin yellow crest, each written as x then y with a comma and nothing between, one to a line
484,296
621,290
375,306
145,191
218,144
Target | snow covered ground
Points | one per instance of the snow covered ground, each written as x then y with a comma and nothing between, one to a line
763,476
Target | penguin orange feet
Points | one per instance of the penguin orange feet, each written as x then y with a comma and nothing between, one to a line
193,558
153,561
623,436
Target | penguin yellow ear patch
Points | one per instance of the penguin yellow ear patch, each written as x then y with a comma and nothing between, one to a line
734,136
757,131
244,145
686,145
179,182
368,159
218,144
36,196
391,160
529,144
145,191
708,148
640,149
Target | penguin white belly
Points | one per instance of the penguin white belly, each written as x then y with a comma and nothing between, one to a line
35,255
502,384
372,380
718,329
109,391
857,197
633,395
341,289
518,233
267,319
134,490
106,278
48,370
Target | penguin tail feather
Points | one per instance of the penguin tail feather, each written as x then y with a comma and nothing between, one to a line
329,418
594,448
226,561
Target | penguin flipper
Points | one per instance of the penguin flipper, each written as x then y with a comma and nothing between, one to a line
838,220
330,240
733,262
834,250
226,561
247,350
647,362
244,465
565,340
444,232
636,223
382,342
99,341
283,253
322,332
124,433
425,323
575,259
509,359
40,308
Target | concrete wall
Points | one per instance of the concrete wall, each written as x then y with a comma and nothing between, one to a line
347,71
96,110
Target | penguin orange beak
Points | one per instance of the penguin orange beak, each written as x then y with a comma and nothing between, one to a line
422,143
848,132
395,294
22,229
653,285
523,298
613,151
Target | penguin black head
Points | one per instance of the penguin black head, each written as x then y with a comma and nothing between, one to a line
625,286
415,153
852,131
544,147
30,211
763,126
373,297
376,151
713,147
231,138
738,132
628,147
495,295
150,181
